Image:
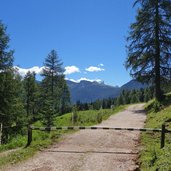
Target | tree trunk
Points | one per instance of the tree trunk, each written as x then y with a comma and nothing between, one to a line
4,137
158,93
52,91
0,133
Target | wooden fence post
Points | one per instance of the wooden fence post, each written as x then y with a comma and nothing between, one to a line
163,136
29,136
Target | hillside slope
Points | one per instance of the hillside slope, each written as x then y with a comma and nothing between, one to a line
152,157
86,91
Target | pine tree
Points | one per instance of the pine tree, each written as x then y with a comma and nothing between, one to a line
12,111
65,103
97,105
17,112
141,95
6,77
149,43
54,89
119,100
6,57
146,95
30,91
125,96
53,69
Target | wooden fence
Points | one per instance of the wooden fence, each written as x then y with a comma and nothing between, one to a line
163,131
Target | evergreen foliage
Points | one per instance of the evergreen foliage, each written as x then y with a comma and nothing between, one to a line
126,97
6,56
149,43
55,93
24,101
11,106
30,99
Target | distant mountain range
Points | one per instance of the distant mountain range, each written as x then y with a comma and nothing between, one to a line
86,91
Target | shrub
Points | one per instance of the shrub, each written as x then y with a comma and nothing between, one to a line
99,117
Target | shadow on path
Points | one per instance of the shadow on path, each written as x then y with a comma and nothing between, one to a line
85,152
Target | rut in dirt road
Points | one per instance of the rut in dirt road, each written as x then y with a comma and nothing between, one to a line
93,150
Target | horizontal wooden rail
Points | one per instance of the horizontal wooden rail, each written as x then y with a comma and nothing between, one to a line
163,130
95,128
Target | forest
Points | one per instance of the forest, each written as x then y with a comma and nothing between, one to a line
25,100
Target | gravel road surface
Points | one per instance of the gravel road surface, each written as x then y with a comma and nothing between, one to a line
93,150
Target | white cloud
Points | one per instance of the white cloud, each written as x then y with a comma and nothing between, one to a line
39,70
70,79
71,70
84,79
23,71
101,65
94,69
91,80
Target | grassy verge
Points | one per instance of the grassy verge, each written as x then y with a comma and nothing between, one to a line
153,158
44,139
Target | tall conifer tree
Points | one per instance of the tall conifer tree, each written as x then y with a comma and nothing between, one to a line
30,98
6,62
11,104
149,43
52,87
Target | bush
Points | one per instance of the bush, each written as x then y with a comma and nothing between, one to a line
74,115
99,117
153,106
156,106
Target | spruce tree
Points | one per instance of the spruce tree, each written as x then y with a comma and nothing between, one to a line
6,57
149,43
30,95
54,89
6,76
64,96
119,100
52,70
17,114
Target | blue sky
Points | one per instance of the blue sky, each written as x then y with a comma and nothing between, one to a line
89,35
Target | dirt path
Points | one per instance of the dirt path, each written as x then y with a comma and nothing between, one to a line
93,150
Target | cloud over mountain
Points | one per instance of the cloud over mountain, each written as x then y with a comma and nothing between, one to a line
23,71
94,69
38,70
84,79
71,69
